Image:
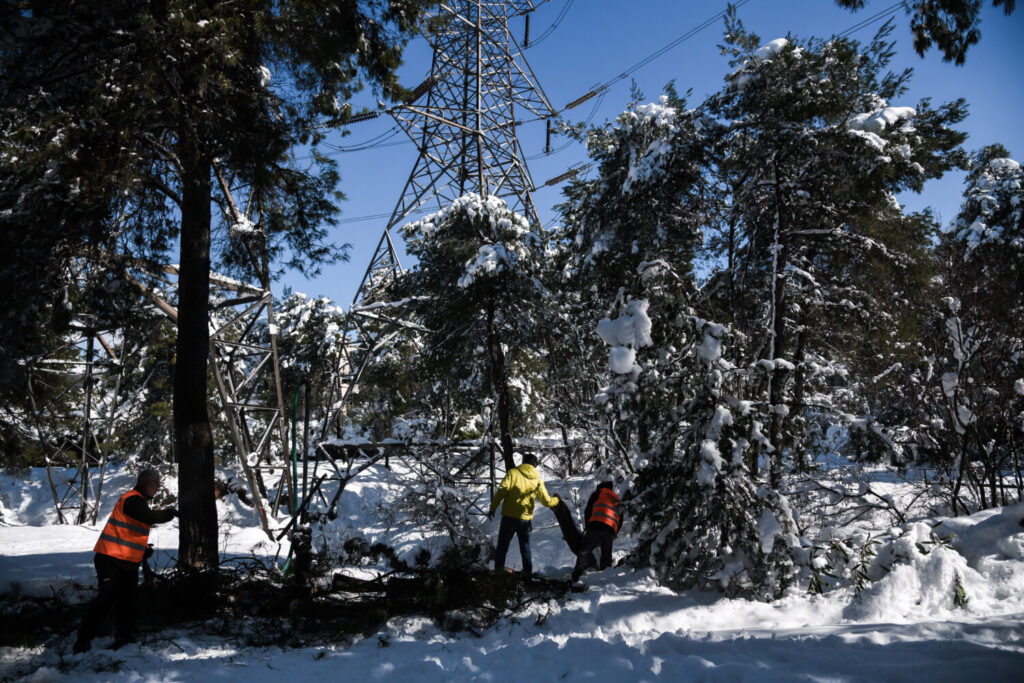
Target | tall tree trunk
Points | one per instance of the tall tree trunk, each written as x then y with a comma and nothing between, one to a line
193,437
801,459
499,385
779,333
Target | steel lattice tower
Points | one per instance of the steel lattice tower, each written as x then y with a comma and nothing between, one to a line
463,119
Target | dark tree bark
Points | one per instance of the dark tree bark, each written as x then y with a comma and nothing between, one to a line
780,332
500,387
193,437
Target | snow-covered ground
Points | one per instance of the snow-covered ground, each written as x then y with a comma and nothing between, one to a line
624,627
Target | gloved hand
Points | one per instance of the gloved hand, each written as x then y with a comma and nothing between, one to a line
149,551
490,515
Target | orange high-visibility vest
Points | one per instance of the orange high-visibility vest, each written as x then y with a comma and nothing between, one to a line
123,537
604,509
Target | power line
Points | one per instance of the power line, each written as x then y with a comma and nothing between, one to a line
678,41
551,29
567,143
379,216
598,91
373,142
891,9
601,90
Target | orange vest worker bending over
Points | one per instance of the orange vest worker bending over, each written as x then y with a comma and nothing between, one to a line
122,546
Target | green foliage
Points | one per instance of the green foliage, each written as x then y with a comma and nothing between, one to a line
974,337
476,291
781,187
960,598
951,25
859,572
92,134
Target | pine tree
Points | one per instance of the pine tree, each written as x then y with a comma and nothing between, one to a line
952,25
812,157
680,439
631,234
476,289
976,392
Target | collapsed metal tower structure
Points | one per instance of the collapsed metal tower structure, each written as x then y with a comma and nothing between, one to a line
82,378
463,120
79,417
244,366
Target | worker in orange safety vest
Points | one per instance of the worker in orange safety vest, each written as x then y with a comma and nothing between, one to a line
122,546
604,518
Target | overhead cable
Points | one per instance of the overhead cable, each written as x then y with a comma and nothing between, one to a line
888,11
550,29
675,43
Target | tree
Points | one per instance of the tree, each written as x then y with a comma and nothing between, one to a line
116,116
475,288
952,25
700,518
977,392
632,233
815,244
679,438
310,339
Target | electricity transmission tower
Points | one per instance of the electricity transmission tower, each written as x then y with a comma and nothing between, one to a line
463,119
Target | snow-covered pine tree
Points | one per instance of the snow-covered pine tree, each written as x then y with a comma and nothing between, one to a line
475,288
630,234
815,246
976,391
310,340
698,516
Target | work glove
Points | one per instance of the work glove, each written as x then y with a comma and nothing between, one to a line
490,515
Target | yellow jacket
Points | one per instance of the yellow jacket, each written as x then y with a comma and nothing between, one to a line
520,487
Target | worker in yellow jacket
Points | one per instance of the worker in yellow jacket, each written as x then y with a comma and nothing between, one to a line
517,494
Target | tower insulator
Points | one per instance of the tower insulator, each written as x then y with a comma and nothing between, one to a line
422,89
580,100
364,117
565,176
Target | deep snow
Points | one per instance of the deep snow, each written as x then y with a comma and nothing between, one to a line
624,627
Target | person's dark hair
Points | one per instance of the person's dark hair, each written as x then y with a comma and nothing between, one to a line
606,485
530,459
146,476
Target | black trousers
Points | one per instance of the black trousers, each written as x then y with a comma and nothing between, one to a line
118,588
597,534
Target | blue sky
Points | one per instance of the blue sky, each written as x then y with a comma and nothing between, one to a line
597,40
